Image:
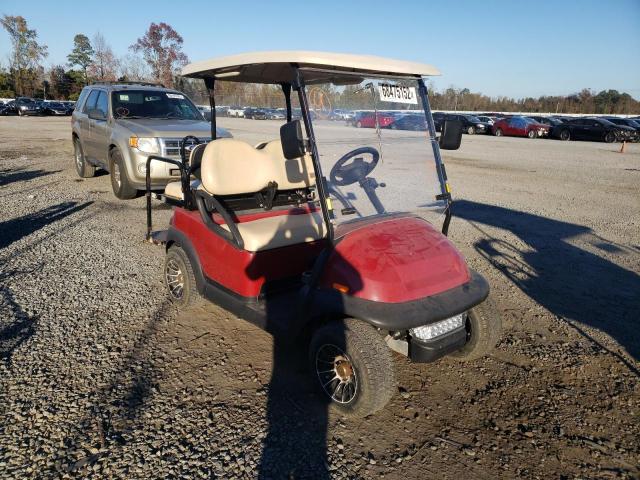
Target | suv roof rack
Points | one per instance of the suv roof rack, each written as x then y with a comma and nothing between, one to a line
124,82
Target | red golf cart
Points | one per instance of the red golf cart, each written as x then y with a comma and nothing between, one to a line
321,233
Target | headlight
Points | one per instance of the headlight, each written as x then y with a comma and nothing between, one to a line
428,332
145,144
23,107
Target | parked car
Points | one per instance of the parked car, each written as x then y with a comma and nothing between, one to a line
591,128
205,111
520,127
255,113
275,114
486,119
116,126
341,114
470,123
236,111
368,120
27,106
629,122
56,108
8,108
409,122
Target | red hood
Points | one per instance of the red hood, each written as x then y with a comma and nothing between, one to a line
395,260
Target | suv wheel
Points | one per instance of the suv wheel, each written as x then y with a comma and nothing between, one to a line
352,366
84,168
119,180
471,130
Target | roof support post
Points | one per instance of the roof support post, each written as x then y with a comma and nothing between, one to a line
286,89
321,181
210,84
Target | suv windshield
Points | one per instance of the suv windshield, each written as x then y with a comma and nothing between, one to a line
373,169
153,104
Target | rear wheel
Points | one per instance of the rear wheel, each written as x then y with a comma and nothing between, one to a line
610,137
498,132
565,135
84,168
352,366
484,327
179,278
122,188
471,130
359,124
532,134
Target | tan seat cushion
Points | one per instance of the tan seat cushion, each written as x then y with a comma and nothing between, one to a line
174,189
281,231
298,172
230,167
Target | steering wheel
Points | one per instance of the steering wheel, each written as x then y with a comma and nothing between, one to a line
343,174
183,146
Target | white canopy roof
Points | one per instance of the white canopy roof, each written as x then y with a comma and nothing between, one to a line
275,67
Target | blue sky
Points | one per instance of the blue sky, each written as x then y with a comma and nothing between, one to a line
512,48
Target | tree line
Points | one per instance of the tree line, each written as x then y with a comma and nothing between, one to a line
154,57
157,57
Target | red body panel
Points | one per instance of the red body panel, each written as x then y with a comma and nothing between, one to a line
369,121
396,260
238,270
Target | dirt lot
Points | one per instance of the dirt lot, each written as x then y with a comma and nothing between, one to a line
100,377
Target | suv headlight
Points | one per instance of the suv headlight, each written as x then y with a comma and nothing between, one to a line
145,144
428,332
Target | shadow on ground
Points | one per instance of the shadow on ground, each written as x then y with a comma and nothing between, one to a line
8,176
575,284
15,229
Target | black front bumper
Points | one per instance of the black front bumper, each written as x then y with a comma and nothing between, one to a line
405,315
429,351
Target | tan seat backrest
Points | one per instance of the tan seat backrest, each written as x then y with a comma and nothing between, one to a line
231,167
195,158
297,173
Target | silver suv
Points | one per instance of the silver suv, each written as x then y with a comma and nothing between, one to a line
116,126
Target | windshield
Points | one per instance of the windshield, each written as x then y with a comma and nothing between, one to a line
373,165
153,104
471,118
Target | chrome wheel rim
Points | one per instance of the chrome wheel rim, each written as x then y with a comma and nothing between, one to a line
336,374
175,279
116,174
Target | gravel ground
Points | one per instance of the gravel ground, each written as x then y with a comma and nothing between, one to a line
101,378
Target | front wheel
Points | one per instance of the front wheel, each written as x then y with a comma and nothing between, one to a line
565,135
471,130
352,366
610,137
484,328
120,184
532,134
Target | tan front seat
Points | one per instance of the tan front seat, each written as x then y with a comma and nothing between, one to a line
174,189
233,167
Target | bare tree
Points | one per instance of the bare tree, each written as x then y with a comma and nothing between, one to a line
105,63
134,68
161,47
